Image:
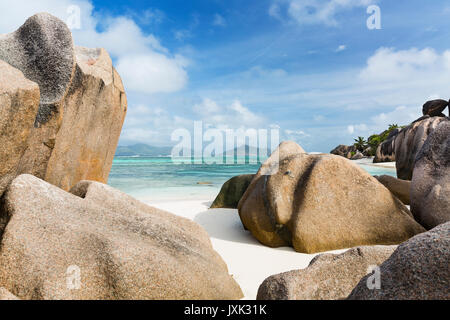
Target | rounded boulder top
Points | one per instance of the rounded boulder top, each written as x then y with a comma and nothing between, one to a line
42,48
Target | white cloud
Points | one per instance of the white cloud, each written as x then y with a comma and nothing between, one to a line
151,124
232,116
358,128
351,129
401,115
299,136
219,21
154,125
390,65
182,35
152,72
296,134
207,107
306,12
149,16
136,53
319,118
405,77
342,47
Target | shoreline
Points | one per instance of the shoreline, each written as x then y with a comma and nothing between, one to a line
232,242
235,245
369,162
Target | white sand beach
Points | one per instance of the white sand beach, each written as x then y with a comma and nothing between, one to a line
236,245
369,162
227,234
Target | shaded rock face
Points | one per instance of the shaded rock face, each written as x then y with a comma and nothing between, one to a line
435,108
418,270
430,186
328,276
358,155
42,48
386,150
399,188
19,103
409,142
367,152
318,203
6,295
344,151
119,247
232,191
81,107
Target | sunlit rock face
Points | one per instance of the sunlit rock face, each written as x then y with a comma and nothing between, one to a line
318,203
99,243
78,106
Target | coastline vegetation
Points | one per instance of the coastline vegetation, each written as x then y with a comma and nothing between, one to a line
371,144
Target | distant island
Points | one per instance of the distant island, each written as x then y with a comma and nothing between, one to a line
142,150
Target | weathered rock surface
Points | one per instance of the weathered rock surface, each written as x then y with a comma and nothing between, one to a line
409,142
435,108
19,103
418,270
386,150
232,191
42,48
82,104
328,276
367,152
430,186
344,151
122,248
6,295
399,188
322,202
357,156
94,112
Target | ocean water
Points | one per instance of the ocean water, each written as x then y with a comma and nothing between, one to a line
161,179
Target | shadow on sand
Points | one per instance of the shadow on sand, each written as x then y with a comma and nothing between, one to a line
225,224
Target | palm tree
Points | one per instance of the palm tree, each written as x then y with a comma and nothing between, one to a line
360,144
392,127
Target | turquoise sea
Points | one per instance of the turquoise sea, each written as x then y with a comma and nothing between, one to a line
160,179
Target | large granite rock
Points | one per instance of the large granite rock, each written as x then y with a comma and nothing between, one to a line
357,156
19,103
319,203
418,270
94,112
430,186
409,142
116,246
435,108
328,276
399,188
42,48
344,151
386,150
232,191
82,104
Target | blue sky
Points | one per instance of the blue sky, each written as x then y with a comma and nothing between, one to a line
310,67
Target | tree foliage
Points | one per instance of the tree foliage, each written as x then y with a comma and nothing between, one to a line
374,140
